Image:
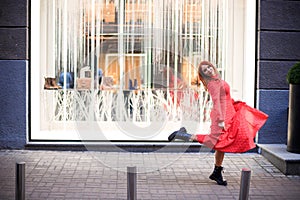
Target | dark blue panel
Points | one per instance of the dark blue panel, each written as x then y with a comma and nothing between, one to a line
13,104
13,44
275,104
279,45
280,15
13,12
272,74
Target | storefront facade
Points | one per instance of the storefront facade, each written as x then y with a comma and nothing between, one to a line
145,53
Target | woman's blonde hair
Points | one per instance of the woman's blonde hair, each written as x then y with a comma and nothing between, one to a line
204,78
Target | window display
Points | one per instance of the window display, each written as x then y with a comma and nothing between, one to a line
105,61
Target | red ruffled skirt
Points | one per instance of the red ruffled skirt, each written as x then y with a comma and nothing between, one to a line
239,133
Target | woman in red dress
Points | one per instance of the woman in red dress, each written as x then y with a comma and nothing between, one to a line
234,124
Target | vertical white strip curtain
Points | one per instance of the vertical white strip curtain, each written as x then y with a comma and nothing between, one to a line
175,34
195,27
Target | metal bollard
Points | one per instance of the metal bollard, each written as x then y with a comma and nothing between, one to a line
131,183
245,184
20,181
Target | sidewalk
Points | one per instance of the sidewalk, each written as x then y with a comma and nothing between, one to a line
103,175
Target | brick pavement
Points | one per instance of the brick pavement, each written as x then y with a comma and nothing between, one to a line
102,175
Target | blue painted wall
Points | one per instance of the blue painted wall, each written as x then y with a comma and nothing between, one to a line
274,103
13,103
13,71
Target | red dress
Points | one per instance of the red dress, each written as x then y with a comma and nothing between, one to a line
177,90
241,121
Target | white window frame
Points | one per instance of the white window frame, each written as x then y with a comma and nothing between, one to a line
240,71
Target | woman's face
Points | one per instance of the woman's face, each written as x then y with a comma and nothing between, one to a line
208,70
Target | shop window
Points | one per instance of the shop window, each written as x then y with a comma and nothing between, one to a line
105,61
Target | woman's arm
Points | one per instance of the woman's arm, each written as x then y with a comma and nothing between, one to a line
217,92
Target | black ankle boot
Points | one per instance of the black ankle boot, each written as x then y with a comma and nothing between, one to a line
172,136
180,134
217,176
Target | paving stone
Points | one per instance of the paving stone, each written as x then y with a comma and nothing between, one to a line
103,175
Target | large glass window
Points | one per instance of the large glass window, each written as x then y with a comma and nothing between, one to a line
120,66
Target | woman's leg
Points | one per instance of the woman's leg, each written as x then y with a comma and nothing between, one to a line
219,157
217,173
210,141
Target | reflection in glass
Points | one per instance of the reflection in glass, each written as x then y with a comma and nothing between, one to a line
146,49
